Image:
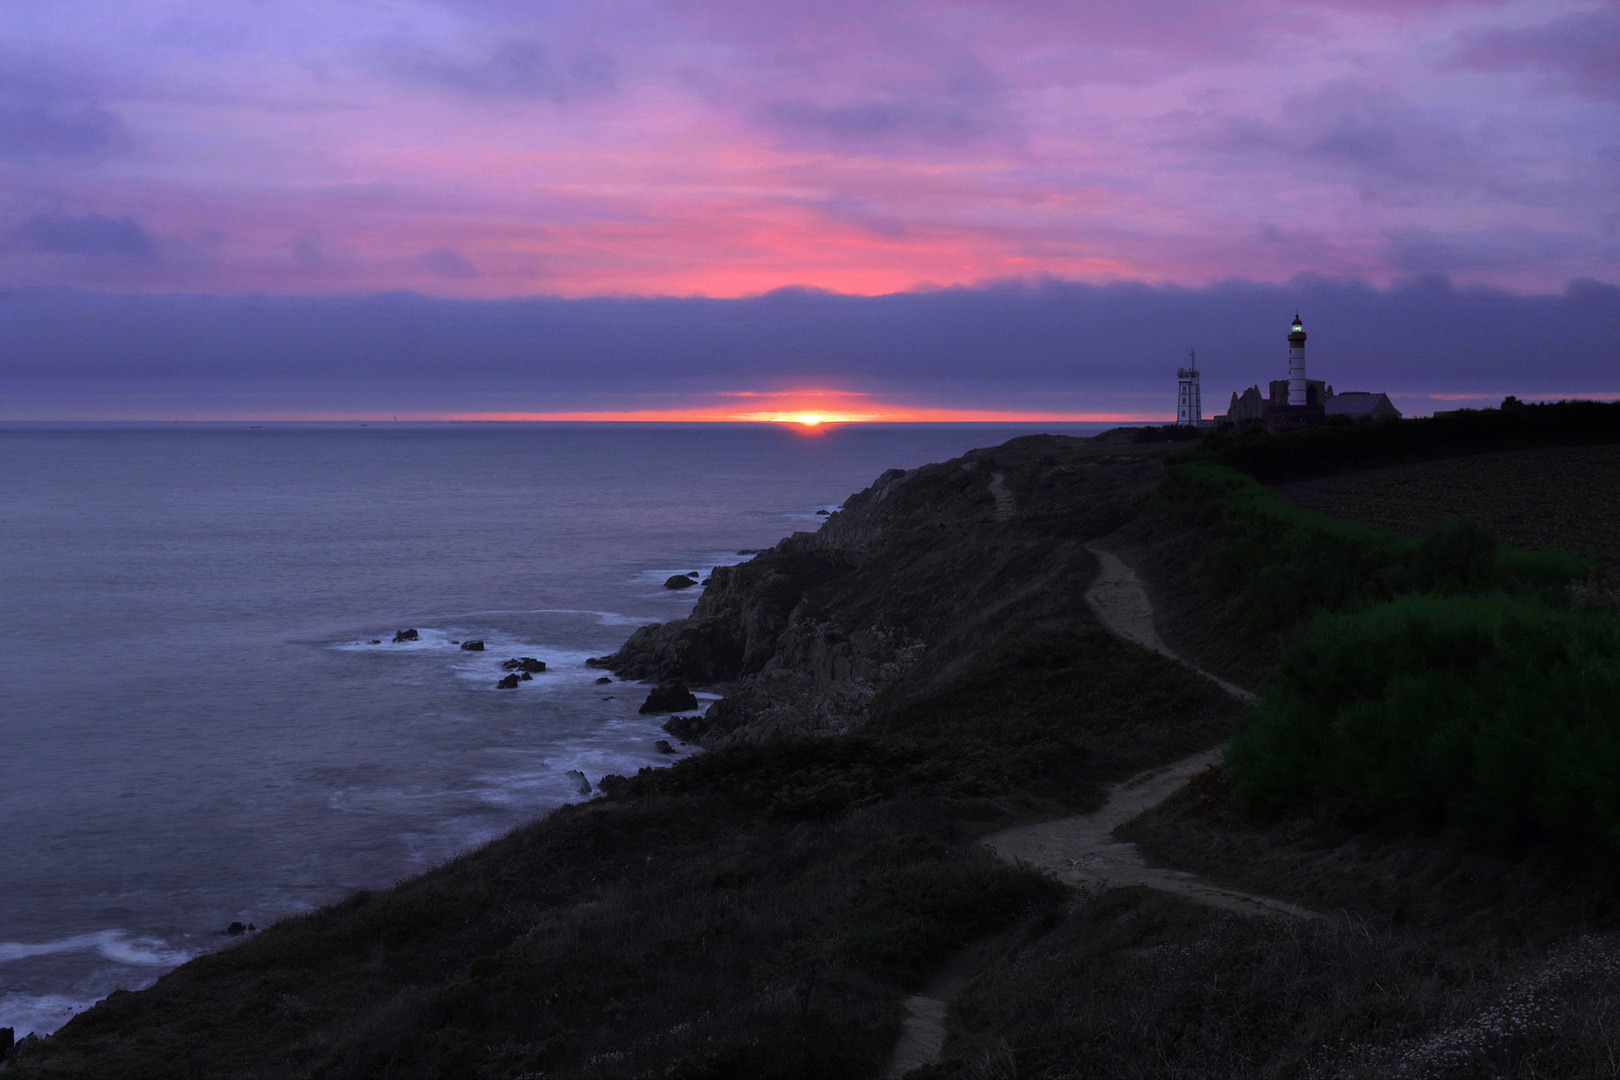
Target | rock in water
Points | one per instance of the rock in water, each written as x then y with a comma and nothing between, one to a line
603,679
236,929
524,663
688,729
508,683
581,785
473,646
663,747
406,635
679,581
669,697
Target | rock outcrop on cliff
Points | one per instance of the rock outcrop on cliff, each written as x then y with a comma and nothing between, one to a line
899,589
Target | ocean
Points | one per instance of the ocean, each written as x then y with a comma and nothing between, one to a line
206,718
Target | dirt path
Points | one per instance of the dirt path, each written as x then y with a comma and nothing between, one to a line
1005,504
1118,599
1081,850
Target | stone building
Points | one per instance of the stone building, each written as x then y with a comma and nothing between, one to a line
1298,401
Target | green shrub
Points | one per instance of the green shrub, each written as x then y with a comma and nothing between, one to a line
1336,448
1285,562
1497,715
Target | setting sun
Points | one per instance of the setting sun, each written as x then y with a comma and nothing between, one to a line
808,420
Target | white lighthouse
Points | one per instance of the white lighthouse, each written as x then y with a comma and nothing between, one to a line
1296,363
1189,407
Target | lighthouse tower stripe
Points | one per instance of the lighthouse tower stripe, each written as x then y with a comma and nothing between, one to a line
1296,363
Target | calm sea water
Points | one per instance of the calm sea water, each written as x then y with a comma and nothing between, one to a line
196,724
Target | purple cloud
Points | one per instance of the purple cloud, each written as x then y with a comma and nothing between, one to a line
1421,251
512,69
963,108
448,263
47,117
1054,346
1583,48
729,147
92,234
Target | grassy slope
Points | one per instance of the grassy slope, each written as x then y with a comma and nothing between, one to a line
1441,957
1566,496
763,910
755,910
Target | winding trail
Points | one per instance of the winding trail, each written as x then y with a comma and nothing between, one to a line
1006,506
1120,602
1081,850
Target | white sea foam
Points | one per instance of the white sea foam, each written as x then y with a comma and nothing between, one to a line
115,945
38,1014
428,639
565,667
603,618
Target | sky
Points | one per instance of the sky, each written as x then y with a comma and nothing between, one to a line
627,207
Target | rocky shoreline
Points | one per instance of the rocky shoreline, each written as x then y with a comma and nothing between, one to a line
898,589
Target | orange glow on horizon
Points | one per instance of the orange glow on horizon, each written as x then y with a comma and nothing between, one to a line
815,407
881,416
807,409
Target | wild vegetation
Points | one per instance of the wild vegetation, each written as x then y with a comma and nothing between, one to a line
759,909
1442,679
1284,563
1429,763
1435,740
1346,445
1492,715
1560,496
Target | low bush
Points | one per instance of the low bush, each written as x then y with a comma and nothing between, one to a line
1335,448
1285,563
756,910
904,922
1492,714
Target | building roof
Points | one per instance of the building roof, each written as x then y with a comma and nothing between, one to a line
1360,403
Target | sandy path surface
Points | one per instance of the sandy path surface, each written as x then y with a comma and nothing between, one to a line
1006,506
1118,599
922,1034
1081,850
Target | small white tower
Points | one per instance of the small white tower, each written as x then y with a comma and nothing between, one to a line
1296,363
1189,407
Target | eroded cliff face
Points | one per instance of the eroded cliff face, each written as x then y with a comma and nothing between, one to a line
909,581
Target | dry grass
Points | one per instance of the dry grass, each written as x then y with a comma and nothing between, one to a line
1132,983
1566,496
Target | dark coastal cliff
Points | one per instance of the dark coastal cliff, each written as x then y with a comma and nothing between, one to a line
921,673
910,580
761,909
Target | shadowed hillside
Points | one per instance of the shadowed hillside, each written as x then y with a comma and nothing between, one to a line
921,671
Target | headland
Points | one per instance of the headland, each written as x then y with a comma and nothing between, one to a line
922,672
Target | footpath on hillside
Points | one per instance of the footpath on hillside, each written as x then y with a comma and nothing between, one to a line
1080,850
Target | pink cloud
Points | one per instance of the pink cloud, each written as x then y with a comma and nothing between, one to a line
729,148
